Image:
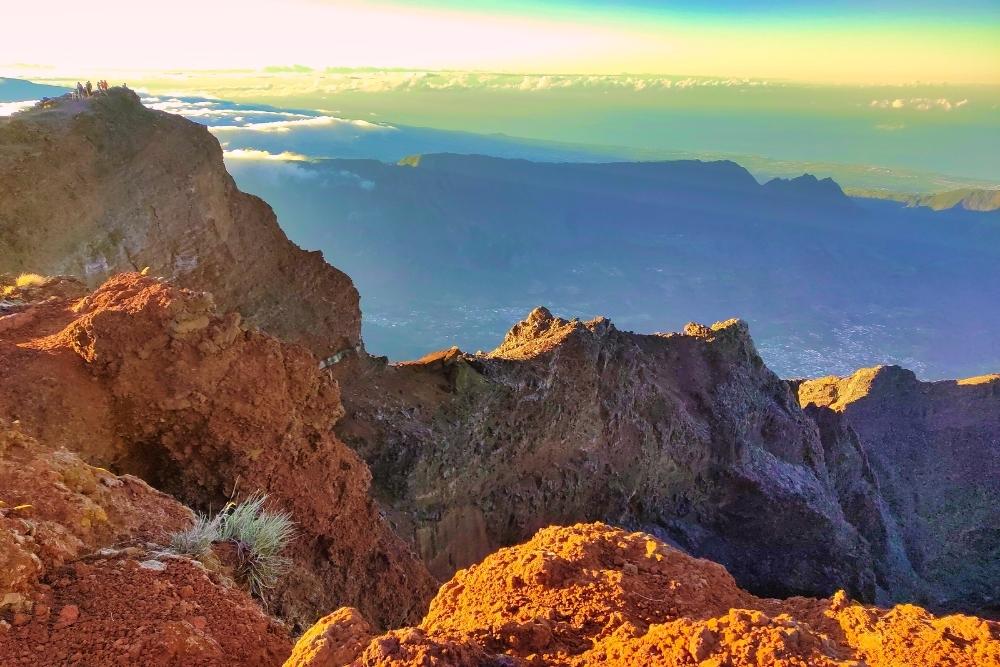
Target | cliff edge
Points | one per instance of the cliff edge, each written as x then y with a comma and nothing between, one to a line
92,187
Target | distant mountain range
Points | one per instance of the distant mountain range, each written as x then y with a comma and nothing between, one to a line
447,249
972,199
17,90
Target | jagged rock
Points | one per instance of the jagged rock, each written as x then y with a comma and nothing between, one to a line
591,594
147,378
688,436
98,186
934,454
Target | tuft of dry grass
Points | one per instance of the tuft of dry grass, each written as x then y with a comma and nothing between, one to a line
259,536
29,280
22,281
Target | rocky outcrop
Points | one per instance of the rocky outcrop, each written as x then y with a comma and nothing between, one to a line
592,594
147,378
81,577
934,448
687,436
102,185
807,189
54,509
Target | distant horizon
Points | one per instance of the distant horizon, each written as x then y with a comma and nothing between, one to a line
838,41
52,72
903,139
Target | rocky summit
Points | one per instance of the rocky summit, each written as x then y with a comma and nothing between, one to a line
92,187
587,495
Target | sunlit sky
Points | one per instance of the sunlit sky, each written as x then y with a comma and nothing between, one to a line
831,42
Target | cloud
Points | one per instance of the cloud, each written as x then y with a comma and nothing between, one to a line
275,83
8,108
289,125
214,109
353,178
256,154
919,104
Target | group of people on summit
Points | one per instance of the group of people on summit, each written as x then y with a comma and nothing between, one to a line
88,89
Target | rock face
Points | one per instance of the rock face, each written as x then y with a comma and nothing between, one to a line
935,450
147,378
686,436
592,594
98,186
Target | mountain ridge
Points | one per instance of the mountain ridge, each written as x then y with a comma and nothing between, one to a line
101,185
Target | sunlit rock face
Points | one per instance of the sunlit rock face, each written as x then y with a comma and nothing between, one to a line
591,594
96,186
933,447
687,435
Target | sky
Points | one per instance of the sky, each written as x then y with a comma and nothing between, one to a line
889,42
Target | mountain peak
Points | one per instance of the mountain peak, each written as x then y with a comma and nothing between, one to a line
102,184
808,188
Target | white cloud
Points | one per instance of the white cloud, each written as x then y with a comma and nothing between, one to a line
289,125
255,154
333,82
919,104
211,109
8,108
362,183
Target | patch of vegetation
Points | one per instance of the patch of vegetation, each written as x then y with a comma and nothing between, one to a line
258,537
22,281
198,539
29,280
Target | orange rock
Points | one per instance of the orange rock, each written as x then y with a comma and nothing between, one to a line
68,615
672,610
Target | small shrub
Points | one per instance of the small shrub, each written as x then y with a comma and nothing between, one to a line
258,536
198,539
29,280
22,281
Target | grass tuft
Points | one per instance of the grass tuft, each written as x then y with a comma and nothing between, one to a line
258,535
29,280
198,539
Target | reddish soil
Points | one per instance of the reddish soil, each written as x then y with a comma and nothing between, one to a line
54,508
590,594
147,378
118,611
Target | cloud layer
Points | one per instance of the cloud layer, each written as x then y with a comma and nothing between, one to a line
919,104
8,108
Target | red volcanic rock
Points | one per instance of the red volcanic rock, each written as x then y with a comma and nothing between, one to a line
91,188
147,378
590,594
